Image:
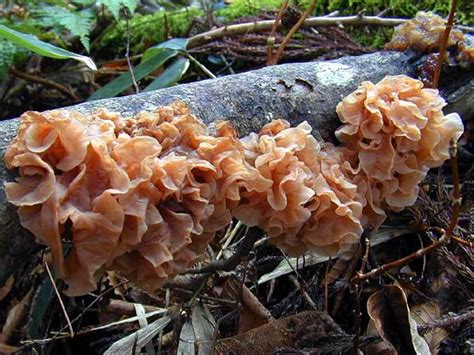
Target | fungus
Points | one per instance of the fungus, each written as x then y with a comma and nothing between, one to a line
146,195
424,33
399,131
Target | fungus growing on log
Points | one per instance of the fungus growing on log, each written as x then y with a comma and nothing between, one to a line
146,195
424,33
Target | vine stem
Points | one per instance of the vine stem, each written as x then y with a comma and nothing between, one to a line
266,25
444,43
293,30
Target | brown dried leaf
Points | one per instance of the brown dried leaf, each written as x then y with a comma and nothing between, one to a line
281,333
389,310
8,349
428,312
15,317
204,326
5,289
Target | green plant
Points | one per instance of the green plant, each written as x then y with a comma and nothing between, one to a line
45,49
56,21
154,58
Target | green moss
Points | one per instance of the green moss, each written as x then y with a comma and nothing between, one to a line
150,30
241,8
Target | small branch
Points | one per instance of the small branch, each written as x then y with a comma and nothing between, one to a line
290,34
271,37
305,294
252,235
254,304
48,83
201,66
464,242
446,235
260,26
63,308
457,188
127,54
447,322
444,43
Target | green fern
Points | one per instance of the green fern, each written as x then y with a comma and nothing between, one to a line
78,23
114,6
7,52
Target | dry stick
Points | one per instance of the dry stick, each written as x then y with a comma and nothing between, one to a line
59,299
98,298
201,66
447,322
51,84
356,290
466,243
266,25
298,285
290,34
271,37
127,55
446,236
444,43
326,287
305,294
229,264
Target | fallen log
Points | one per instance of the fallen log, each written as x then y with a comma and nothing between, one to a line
295,92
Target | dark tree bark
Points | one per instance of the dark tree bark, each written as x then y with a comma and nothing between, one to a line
295,92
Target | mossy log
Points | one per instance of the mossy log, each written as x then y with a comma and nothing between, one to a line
295,92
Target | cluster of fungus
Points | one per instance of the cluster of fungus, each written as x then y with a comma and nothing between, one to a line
146,195
424,34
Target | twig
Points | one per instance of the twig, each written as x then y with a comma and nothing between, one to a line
98,298
229,264
356,290
294,29
446,322
229,237
446,235
187,292
444,43
305,294
347,276
201,66
127,54
48,83
466,243
254,304
71,330
271,37
326,287
266,25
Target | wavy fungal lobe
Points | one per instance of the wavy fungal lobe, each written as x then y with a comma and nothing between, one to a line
146,195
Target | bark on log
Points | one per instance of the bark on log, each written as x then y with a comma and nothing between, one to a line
296,92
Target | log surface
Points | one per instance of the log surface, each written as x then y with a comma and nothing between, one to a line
295,92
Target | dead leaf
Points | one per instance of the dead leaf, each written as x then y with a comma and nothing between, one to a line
281,333
187,339
204,326
132,343
15,317
428,312
198,332
388,308
8,349
252,313
5,289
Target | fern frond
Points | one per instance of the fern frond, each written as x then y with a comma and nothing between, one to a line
7,52
114,6
78,23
